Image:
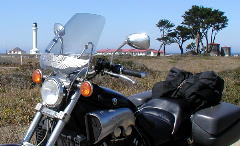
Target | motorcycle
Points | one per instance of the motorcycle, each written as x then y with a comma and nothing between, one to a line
75,111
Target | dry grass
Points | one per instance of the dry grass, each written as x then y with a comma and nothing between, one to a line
232,86
226,67
11,134
17,106
189,63
18,95
15,60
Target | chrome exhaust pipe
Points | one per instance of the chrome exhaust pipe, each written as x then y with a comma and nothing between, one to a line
100,124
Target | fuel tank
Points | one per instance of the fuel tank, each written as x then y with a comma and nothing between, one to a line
101,99
108,98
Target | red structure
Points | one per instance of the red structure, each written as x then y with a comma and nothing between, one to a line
132,52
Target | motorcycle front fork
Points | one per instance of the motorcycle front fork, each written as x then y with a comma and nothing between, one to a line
62,116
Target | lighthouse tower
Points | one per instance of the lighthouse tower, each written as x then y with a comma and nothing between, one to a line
34,50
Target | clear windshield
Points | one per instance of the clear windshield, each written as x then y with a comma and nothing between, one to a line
69,53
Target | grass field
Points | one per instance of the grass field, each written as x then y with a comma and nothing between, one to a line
18,96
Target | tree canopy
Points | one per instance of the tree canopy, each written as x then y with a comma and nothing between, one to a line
180,35
204,22
199,23
165,27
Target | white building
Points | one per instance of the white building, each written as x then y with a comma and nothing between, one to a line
16,50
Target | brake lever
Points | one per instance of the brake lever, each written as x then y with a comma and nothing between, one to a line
120,76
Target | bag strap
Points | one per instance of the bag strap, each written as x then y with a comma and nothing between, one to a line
179,87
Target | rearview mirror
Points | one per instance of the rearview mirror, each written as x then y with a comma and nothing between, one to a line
59,30
138,41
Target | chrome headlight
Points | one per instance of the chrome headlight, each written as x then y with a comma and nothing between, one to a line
52,92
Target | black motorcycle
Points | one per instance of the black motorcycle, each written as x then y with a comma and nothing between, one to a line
75,111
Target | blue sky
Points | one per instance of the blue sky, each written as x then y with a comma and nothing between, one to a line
123,17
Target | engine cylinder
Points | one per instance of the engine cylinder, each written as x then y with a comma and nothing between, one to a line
100,124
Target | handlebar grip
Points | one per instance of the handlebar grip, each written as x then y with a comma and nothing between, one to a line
133,73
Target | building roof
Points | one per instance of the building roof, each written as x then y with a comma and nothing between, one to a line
156,51
127,50
17,49
214,44
106,50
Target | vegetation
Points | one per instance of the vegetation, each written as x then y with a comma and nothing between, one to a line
18,96
165,27
204,22
180,35
199,23
191,47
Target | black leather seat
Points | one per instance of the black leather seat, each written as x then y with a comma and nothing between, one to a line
176,107
161,118
140,98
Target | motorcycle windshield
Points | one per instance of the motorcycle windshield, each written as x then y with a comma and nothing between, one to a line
69,53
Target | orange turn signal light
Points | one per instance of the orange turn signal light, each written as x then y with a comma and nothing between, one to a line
86,89
37,76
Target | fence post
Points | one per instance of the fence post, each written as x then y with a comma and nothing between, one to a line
21,59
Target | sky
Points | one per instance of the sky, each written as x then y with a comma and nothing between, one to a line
123,17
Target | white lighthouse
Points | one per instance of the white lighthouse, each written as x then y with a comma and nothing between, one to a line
34,50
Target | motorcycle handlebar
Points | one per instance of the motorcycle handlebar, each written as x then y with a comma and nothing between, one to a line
133,73
117,68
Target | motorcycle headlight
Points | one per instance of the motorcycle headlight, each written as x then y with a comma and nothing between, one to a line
52,92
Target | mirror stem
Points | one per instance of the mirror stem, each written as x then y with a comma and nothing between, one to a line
61,41
51,45
123,44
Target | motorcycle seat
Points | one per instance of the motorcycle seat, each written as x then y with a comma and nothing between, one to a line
140,98
176,107
162,119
